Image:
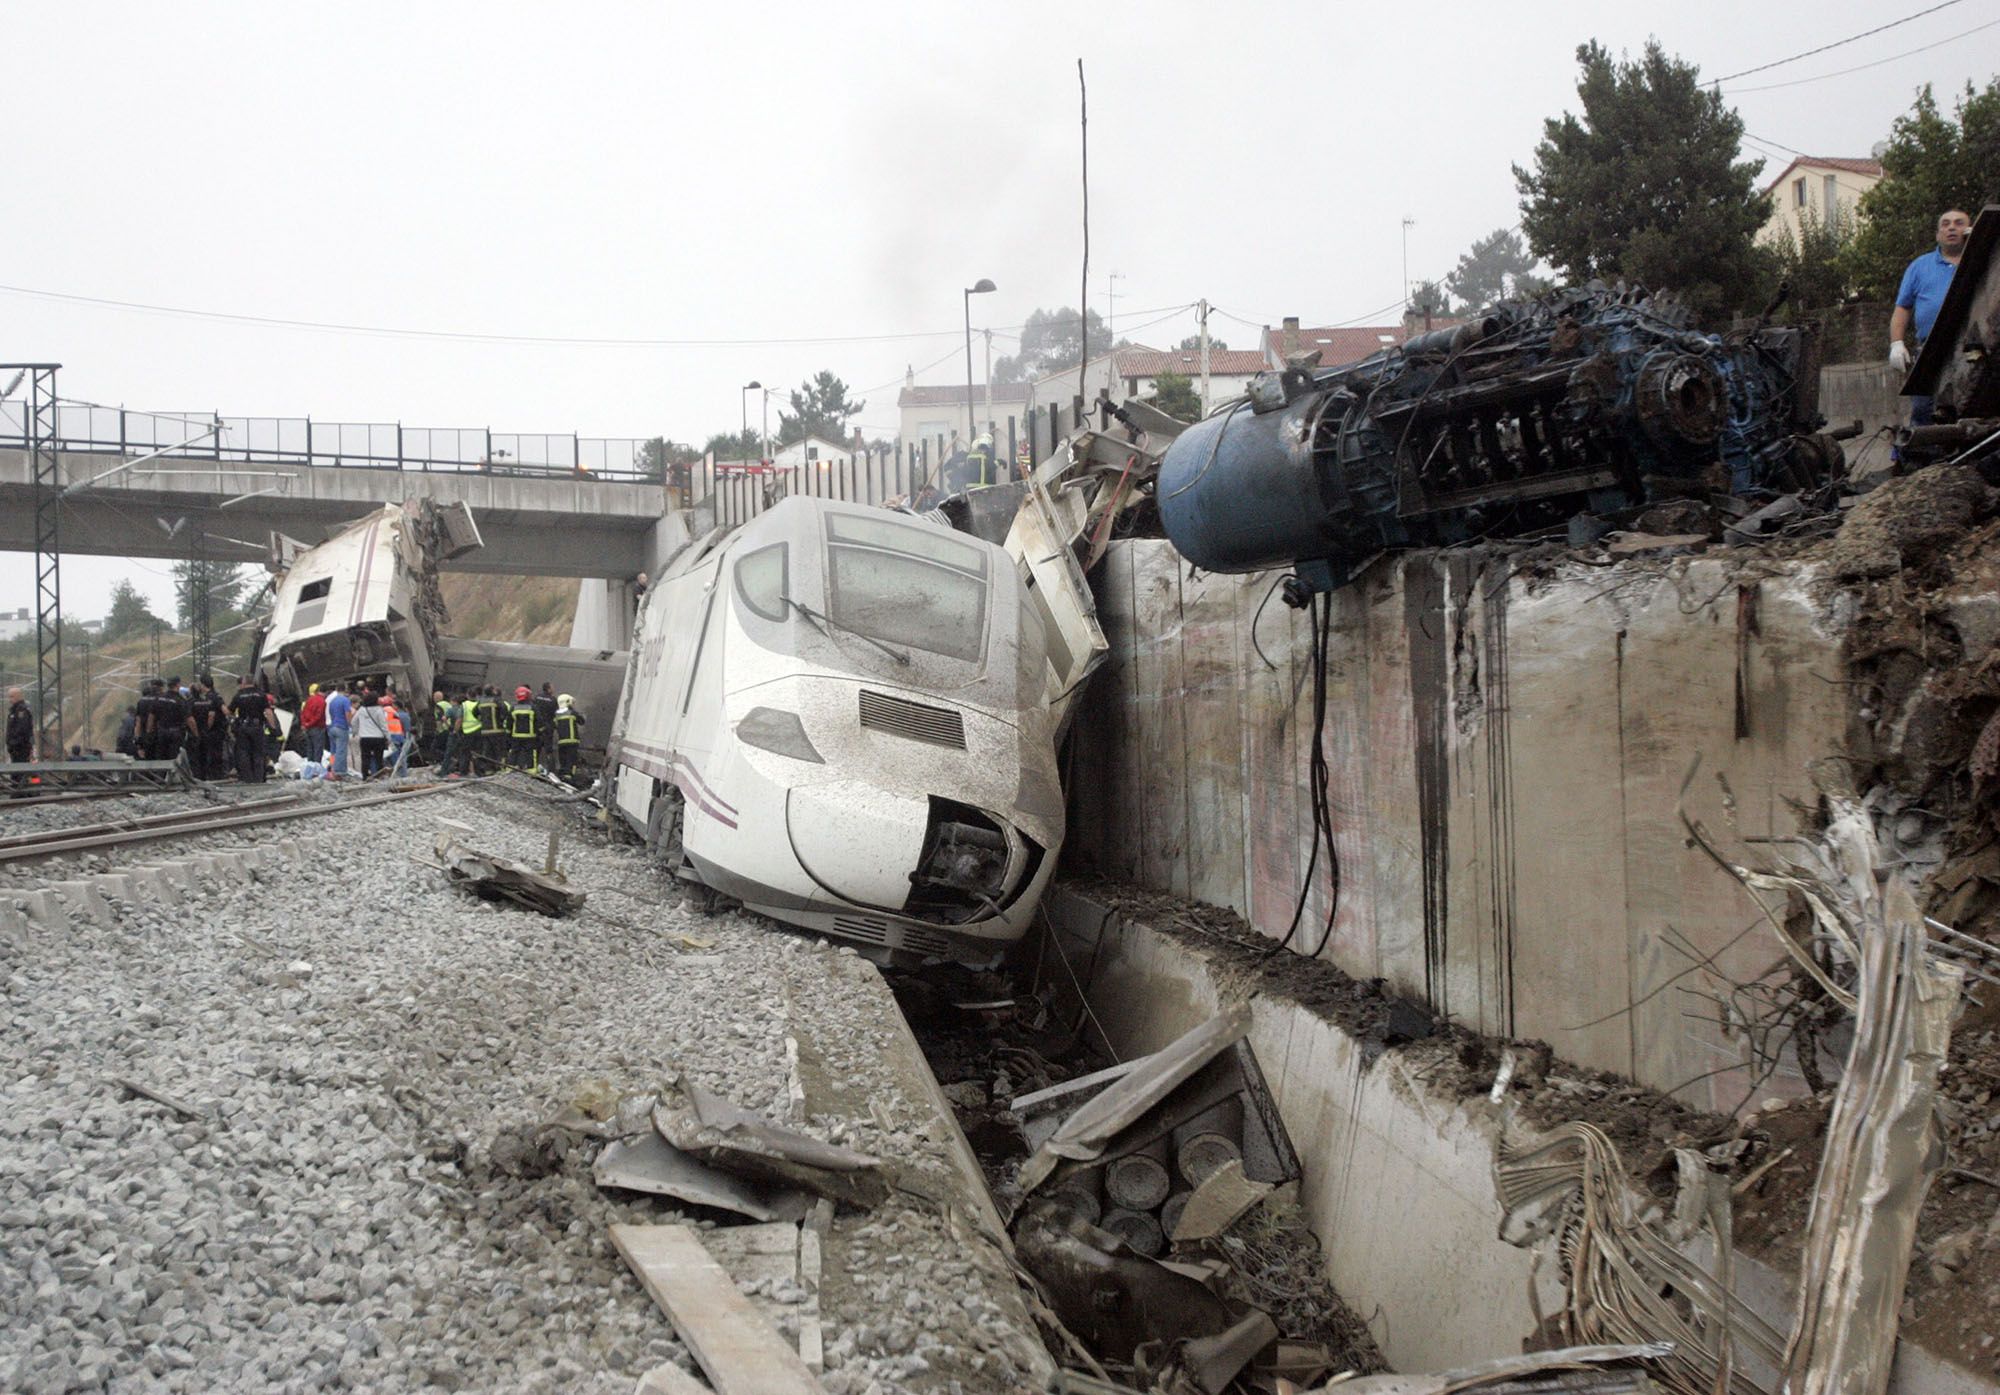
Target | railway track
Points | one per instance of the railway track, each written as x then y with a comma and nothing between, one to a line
158,827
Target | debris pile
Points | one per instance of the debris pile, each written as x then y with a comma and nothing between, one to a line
494,878
1140,1177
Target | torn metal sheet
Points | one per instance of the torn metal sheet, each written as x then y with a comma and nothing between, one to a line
737,1140
1218,1203
1615,1363
1882,1149
650,1164
496,878
1084,1135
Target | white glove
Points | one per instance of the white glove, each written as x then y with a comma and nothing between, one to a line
1899,356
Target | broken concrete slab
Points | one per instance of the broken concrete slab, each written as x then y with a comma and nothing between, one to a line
648,1163
1631,544
739,1351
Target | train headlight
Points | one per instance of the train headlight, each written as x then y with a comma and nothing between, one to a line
768,729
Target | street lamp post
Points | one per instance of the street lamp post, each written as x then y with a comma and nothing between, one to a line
979,287
744,399
764,424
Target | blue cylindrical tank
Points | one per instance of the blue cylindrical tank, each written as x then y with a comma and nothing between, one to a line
1239,492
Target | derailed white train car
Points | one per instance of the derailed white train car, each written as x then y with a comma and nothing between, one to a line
365,602
847,719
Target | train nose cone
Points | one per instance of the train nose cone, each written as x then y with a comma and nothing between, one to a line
857,841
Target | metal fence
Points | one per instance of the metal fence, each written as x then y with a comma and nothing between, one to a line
337,445
739,492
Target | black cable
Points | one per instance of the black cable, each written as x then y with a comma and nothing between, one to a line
1256,643
1318,786
1837,43
1323,777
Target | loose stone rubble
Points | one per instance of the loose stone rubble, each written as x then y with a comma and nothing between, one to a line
367,1196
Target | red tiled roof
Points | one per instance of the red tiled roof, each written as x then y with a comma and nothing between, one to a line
953,394
1151,363
1870,168
1346,344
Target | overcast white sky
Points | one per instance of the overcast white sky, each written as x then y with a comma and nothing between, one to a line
781,172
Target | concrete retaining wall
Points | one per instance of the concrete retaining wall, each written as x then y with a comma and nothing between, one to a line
1398,1180
1506,750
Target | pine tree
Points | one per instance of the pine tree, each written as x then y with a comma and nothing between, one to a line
1646,186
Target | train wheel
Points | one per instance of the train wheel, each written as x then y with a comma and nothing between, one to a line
663,828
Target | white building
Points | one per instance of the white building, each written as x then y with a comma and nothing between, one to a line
930,411
15,623
1135,371
809,451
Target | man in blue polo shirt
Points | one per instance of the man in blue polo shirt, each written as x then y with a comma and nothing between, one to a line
1925,282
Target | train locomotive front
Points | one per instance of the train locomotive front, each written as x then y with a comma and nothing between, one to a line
838,715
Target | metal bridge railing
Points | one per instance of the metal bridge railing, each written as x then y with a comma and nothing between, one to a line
338,445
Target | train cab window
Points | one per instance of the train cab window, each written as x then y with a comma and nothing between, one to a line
760,581
907,584
311,606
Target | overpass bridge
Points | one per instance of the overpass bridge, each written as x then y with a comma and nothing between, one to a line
547,505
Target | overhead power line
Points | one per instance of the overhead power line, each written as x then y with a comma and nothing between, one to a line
1837,43
472,336
1861,67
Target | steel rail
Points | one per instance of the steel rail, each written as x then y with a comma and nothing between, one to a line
219,821
155,821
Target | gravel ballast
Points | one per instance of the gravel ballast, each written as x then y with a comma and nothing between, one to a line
363,1199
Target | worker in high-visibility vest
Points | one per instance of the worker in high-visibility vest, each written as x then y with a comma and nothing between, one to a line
444,729
569,736
981,468
470,732
524,727
493,727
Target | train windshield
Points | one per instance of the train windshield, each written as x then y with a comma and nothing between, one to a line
907,585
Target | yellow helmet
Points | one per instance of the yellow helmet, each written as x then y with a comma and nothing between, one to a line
566,700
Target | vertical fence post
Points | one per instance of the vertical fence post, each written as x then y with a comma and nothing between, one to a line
489,448
309,440
399,447
1011,469
121,431
575,454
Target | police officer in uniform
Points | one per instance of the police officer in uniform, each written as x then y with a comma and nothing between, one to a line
545,723
205,711
252,713
170,720
569,737
144,721
523,729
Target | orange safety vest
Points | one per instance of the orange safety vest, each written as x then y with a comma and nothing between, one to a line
394,718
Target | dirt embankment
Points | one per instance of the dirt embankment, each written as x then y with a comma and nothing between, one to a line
518,609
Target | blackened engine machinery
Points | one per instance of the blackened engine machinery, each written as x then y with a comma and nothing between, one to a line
1592,399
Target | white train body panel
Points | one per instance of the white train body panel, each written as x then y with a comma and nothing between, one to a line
849,711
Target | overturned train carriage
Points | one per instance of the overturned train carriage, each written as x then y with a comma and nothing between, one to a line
366,603
1588,400
848,718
